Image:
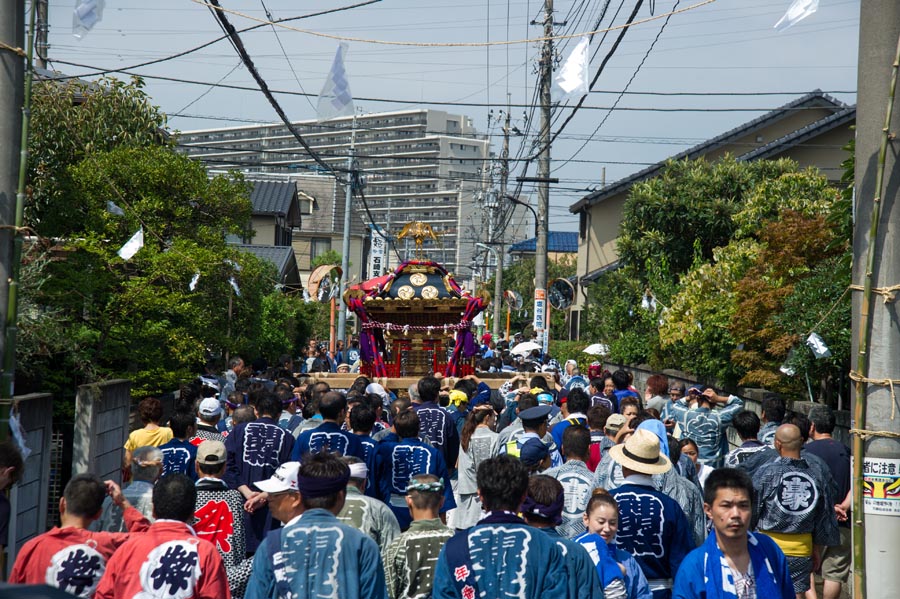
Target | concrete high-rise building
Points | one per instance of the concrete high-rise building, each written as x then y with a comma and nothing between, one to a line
420,164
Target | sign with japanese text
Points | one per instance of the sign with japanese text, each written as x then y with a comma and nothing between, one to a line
377,254
881,486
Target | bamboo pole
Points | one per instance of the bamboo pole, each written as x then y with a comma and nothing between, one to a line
7,379
862,360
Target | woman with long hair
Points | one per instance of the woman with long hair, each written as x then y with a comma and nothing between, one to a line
478,442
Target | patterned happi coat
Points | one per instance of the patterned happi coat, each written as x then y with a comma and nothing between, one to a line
218,518
317,556
409,560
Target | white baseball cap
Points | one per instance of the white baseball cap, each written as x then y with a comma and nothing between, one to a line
210,407
284,479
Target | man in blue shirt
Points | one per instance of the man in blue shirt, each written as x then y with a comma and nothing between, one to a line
328,436
705,425
314,554
179,454
652,526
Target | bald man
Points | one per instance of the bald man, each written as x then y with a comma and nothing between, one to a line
794,507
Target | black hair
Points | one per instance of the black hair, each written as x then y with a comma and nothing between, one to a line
538,381
502,481
746,423
544,490
322,465
268,405
467,386
84,495
256,391
576,442
823,418
362,418
429,388
578,401
674,449
597,383
621,379
597,416
332,404
211,469
406,423
180,422
477,416
174,497
800,421
527,402
773,407
727,478
642,416
11,457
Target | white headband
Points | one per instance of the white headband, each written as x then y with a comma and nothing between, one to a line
358,470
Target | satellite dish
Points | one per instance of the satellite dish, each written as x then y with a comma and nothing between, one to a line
561,294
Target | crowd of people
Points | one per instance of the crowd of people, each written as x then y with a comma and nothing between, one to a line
557,484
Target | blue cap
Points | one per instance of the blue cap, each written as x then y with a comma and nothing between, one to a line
532,452
696,389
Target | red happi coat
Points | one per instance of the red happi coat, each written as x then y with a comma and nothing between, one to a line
167,561
72,559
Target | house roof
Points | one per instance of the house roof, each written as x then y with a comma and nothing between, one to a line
557,241
273,197
816,98
282,256
814,129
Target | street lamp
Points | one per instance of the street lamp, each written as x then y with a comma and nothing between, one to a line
516,200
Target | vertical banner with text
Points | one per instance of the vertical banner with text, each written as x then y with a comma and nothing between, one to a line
376,254
540,317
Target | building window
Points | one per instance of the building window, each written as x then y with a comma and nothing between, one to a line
318,246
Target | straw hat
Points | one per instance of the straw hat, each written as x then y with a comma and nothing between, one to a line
641,453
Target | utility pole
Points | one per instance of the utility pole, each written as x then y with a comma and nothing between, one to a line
12,97
42,31
345,248
543,209
504,177
876,266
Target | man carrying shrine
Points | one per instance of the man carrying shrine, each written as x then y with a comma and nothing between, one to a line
168,560
328,436
794,507
314,554
71,557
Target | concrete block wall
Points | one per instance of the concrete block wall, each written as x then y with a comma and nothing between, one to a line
101,428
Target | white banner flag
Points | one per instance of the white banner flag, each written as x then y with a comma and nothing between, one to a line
193,284
87,13
377,254
234,285
573,78
335,98
113,209
132,246
817,345
796,12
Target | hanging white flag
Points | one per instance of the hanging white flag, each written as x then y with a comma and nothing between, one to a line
87,13
113,209
573,77
796,12
817,345
335,98
132,246
193,284
234,285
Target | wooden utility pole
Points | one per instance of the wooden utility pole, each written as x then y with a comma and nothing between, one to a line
541,324
876,338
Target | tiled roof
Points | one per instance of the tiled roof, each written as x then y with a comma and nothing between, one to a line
776,146
816,97
557,241
272,197
279,255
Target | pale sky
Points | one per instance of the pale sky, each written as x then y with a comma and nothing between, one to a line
726,47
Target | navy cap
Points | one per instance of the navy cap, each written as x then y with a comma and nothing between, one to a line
696,389
532,452
535,413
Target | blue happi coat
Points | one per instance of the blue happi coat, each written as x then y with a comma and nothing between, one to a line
509,559
369,448
178,458
318,557
327,436
397,462
653,529
254,451
583,578
437,424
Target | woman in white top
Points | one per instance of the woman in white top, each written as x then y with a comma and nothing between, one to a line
478,442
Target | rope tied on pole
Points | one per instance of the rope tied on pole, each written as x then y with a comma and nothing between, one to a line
857,377
864,434
14,49
889,293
